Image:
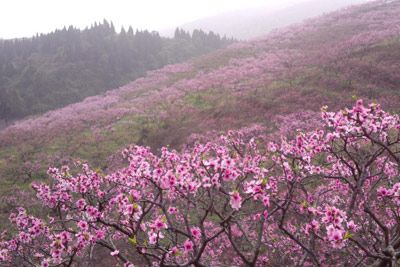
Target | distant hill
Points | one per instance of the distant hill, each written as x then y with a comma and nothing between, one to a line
52,70
289,73
256,22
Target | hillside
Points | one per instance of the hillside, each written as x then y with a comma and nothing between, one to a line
256,22
49,71
288,73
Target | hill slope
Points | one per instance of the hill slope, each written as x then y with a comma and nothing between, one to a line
297,69
52,70
256,22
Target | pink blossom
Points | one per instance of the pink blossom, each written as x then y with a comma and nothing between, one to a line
336,236
114,253
196,232
83,225
235,200
188,246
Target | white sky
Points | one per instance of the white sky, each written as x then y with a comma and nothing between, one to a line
24,18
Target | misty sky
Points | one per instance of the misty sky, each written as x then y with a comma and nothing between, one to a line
24,18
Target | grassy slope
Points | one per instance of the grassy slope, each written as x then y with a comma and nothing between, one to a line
323,61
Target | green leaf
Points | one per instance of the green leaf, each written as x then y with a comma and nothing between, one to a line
264,181
133,240
348,235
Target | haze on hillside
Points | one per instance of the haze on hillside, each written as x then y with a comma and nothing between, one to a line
256,22
25,18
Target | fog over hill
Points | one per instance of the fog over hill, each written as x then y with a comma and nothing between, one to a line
256,22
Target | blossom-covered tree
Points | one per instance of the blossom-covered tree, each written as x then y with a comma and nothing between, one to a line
328,197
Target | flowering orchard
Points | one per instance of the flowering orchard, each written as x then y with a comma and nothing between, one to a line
358,45
325,198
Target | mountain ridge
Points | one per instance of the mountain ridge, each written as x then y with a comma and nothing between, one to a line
256,22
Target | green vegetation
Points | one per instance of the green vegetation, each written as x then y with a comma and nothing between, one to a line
50,71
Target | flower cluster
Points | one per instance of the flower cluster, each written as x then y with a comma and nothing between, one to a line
324,197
